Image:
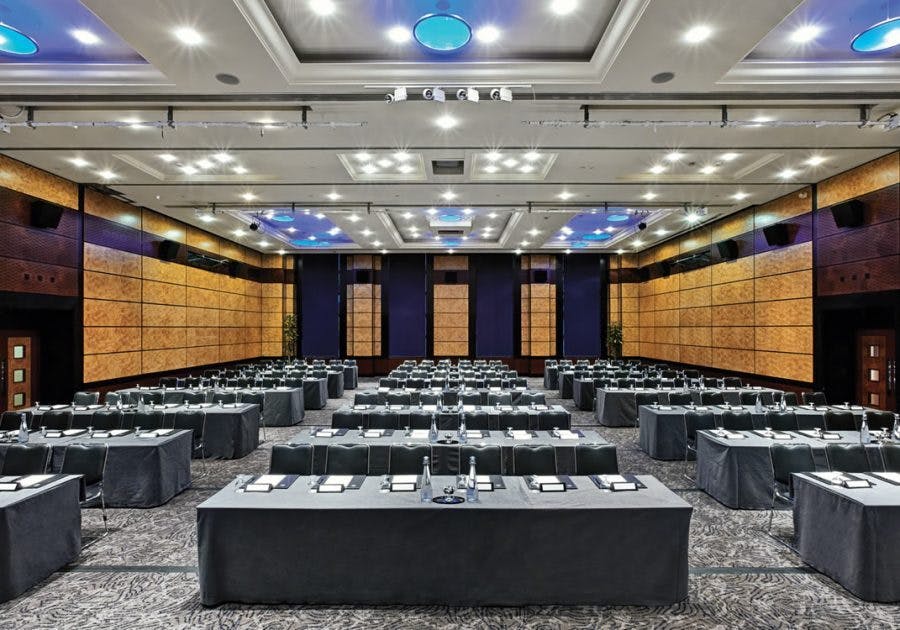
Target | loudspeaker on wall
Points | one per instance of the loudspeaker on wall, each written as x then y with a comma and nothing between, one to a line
728,249
849,214
45,215
777,234
169,250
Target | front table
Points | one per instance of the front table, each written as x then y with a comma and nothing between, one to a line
515,547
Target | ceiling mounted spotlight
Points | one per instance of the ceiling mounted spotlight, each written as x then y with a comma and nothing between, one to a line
502,94
434,94
254,225
397,96
468,94
642,226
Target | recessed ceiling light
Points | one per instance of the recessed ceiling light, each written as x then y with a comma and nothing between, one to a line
385,163
187,169
761,119
334,231
239,232
240,170
493,156
222,158
319,216
649,196
167,157
333,196
709,169
487,34
188,36
399,34
674,156
492,215
534,231
697,34
206,218
524,243
564,195
566,229
661,232
406,168
264,243
106,174
446,122
449,195
362,156
384,251
79,162
84,36
366,232
729,157
620,251
806,33
568,251
510,163
518,252
526,168
490,168
322,7
290,230
376,243
134,123
402,156
656,169
637,242
408,215
204,164
467,210
368,169
787,173
532,156
431,211
248,196
281,252
450,251
692,217
353,218
563,7
815,160
562,237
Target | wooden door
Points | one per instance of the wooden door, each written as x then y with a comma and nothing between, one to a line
876,380
18,368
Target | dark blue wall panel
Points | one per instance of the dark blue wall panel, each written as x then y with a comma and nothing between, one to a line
320,306
406,289
582,305
496,277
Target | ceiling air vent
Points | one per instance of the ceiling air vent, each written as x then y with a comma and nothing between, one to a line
448,167
451,232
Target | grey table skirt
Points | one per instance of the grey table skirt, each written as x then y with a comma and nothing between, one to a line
351,376
449,397
556,416
515,547
315,393
41,533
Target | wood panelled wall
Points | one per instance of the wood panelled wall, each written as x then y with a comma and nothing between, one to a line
145,315
363,314
538,307
450,332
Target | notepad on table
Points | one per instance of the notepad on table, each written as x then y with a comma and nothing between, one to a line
469,407
521,435
404,479
565,434
272,480
374,433
33,480
429,407
69,432
419,433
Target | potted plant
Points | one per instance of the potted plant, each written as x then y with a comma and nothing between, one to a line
289,335
614,340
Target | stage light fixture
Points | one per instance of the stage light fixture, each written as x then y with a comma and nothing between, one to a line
468,94
397,96
502,94
254,226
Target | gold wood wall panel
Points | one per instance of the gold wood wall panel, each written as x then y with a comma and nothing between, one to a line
363,312
450,328
538,309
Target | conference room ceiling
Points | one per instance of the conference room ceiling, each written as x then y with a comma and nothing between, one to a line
750,113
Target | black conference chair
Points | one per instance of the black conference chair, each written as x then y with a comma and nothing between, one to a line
168,381
781,420
537,398
430,398
806,422
149,420
790,398
692,374
194,398
880,420
398,398
737,420
194,420
849,458
113,398
749,398
709,383
256,398
384,420
153,398
192,381
488,459
839,420
86,398
534,459
624,383
732,381
347,459
787,459
815,398
470,398
12,420
366,398
226,398
553,418
517,420
680,398
406,459
651,383
107,419
499,398
293,382
694,421
88,460
420,419
291,459
890,457
596,459
477,420
26,459
712,398
56,419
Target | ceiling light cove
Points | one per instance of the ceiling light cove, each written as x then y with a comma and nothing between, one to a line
879,36
674,156
85,37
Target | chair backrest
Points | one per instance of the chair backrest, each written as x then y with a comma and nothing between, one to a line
645,398
191,420
878,420
537,398
534,459
806,421
398,398
12,420
291,459
112,398
107,419
149,420
712,398
86,459
624,383
503,398
839,420
477,420
781,420
558,418
596,459
849,458
253,398
383,420
57,419
710,382
518,420
749,398
86,398
194,398
697,421
406,459
488,460
814,398
732,381
168,381
430,398
25,459
651,383
790,399
692,374
347,459
224,397
890,455
470,398
737,420
790,458
152,398
680,398
419,419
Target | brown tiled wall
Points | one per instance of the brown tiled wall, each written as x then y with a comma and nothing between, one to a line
363,314
451,310
538,308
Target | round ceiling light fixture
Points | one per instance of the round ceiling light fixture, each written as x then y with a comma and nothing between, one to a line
282,218
16,42
442,32
450,218
227,79
878,37
617,218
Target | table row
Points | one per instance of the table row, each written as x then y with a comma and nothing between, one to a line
449,396
541,417
281,406
619,407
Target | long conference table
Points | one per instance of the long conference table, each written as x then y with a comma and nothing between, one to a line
540,417
515,547
445,458
40,527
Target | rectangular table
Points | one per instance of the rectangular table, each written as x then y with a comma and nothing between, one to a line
315,393
445,457
515,547
738,473
449,396
349,418
282,406
41,533
851,535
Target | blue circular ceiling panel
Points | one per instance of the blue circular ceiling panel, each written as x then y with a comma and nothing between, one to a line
877,37
617,218
442,32
450,218
282,218
305,242
15,42
597,237
579,244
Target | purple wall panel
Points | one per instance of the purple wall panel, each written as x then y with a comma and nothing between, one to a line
583,310
406,286
320,307
495,280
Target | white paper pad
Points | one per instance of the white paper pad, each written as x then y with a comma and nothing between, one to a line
829,477
338,480
610,479
9,479
419,433
890,476
162,432
33,480
118,432
373,433
272,480
72,431
404,479
474,435
521,435
565,434
540,479
58,406
469,407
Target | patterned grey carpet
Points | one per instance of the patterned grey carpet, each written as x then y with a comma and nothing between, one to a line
143,575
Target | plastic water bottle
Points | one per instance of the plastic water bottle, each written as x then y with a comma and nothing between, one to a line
864,436
783,403
472,482
896,430
23,429
426,493
462,428
759,405
432,431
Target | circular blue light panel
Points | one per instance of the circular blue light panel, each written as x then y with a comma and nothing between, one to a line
305,242
282,218
451,243
442,32
877,37
597,237
450,218
617,218
579,244
15,42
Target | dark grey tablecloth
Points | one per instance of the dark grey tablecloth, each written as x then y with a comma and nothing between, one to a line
349,418
336,383
583,393
231,432
140,472
445,457
171,395
515,547
449,396
551,377
40,530
852,536
351,376
566,383
617,407
282,406
315,393
738,473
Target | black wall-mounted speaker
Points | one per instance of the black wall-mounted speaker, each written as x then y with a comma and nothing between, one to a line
644,274
663,268
728,249
777,234
539,276
362,276
45,215
169,250
849,214
451,277
234,268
